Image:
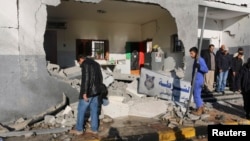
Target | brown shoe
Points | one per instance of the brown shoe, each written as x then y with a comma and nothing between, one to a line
75,132
89,131
199,111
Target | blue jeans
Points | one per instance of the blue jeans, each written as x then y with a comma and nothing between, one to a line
82,108
221,81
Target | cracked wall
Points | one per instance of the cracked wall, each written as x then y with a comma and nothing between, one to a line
236,34
26,87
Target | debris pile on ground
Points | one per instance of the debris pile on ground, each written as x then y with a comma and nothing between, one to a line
124,100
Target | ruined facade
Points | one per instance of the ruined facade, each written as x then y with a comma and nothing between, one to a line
26,87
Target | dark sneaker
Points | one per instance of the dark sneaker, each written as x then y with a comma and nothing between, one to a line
223,92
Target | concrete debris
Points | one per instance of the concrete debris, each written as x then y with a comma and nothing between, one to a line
132,90
3,129
124,100
36,132
107,120
20,125
73,72
50,120
53,67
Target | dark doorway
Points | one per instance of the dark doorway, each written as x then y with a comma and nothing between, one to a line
50,46
205,43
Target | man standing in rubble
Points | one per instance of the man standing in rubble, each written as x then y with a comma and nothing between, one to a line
201,67
89,93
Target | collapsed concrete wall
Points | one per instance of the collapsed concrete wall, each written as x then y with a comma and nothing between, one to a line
26,87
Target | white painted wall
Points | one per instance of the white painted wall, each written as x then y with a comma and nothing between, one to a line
117,34
212,31
165,27
160,30
236,31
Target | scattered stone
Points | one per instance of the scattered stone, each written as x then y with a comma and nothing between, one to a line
20,125
107,120
220,117
50,120
188,123
29,134
200,123
193,117
3,129
20,120
204,116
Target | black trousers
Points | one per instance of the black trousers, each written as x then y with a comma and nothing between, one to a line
246,100
234,85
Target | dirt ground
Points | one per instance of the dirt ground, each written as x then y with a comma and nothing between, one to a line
222,112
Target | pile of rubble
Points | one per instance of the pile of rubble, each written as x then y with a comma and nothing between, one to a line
123,101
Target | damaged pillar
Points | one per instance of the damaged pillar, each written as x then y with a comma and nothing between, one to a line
26,87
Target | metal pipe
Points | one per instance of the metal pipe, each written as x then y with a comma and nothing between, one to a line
199,51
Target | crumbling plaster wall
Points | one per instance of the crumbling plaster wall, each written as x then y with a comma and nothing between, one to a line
26,87
236,34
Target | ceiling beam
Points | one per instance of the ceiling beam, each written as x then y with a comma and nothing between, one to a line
224,6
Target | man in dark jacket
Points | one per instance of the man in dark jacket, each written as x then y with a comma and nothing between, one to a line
209,56
236,67
223,64
244,81
90,85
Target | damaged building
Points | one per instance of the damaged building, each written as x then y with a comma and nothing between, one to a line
40,40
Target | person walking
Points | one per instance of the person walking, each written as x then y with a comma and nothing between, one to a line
201,67
223,64
91,82
244,81
209,56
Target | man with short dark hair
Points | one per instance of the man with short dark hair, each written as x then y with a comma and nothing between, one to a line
201,67
209,56
89,93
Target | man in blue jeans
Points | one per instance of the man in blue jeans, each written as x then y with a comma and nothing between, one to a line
224,64
89,93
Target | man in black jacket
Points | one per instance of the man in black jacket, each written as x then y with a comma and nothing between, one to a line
224,64
236,67
209,57
244,81
90,90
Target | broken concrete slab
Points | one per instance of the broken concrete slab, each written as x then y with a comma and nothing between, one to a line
116,108
37,132
53,69
20,125
73,72
3,129
147,108
124,77
132,89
